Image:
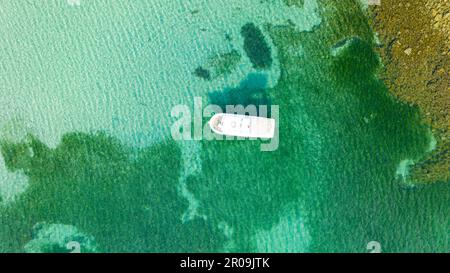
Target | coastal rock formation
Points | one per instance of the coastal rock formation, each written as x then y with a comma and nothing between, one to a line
416,50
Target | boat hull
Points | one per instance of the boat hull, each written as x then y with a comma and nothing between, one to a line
242,126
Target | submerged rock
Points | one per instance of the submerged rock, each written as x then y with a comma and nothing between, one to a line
202,73
354,56
218,65
251,91
256,47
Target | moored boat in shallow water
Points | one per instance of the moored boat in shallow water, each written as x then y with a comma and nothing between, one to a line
242,126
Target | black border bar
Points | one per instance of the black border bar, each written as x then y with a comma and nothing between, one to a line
229,262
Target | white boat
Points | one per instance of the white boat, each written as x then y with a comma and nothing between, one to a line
242,126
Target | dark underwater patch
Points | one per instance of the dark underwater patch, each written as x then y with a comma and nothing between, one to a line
256,47
128,202
202,73
218,65
251,91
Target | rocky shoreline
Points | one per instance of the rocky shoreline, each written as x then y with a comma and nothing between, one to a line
415,48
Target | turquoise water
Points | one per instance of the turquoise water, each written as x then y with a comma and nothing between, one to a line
86,151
